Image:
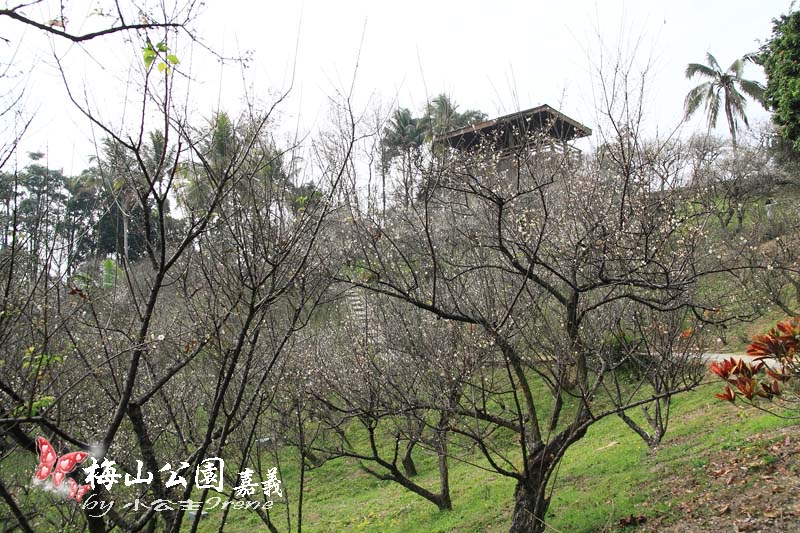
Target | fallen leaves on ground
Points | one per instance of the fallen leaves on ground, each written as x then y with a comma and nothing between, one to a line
752,488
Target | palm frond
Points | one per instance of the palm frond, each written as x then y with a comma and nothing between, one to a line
695,98
472,116
753,89
753,57
736,98
712,62
403,133
736,68
713,101
737,103
693,69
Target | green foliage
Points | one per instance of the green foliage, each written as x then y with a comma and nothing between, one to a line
121,180
151,53
81,214
406,132
42,189
621,345
37,362
223,139
110,272
35,407
83,281
306,196
111,232
442,116
780,57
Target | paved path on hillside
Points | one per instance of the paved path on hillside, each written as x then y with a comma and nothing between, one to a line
722,356
711,357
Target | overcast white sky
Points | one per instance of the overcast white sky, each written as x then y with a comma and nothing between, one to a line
498,57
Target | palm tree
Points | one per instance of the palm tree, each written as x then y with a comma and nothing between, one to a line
403,133
81,215
131,185
402,137
443,116
722,88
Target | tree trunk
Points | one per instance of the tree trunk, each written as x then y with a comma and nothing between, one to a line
408,461
408,184
94,524
444,474
125,239
383,191
796,285
22,521
530,504
300,491
731,123
136,417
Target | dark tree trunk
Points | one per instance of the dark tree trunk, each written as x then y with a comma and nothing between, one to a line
408,461
22,520
95,524
148,453
796,285
729,116
530,503
444,484
301,490
444,472
558,404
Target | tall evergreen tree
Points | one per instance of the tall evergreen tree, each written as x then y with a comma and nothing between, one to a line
780,57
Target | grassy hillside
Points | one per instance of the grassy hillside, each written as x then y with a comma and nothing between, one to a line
609,476
608,480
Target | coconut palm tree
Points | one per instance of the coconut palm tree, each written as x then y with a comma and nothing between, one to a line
443,116
403,133
402,138
721,88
